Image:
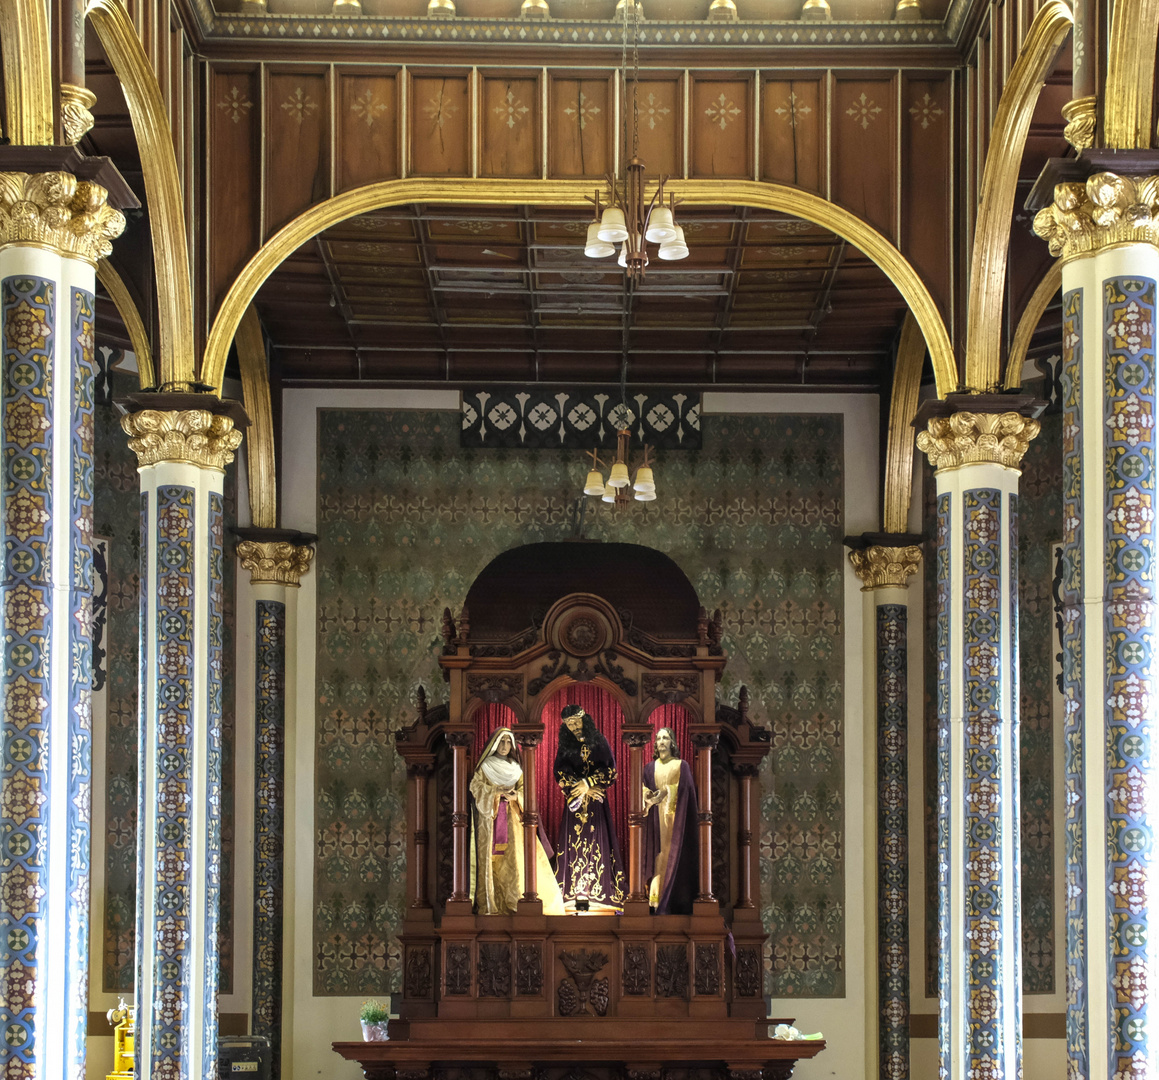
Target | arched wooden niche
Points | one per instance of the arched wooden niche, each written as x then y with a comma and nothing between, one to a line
538,619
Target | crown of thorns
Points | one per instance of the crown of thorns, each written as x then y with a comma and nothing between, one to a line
569,711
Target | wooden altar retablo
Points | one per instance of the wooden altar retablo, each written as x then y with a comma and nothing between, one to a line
521,987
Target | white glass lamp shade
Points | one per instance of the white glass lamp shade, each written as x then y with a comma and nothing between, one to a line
619,475
595,483
645,496
675,248
613,228
609,494
595,248
644,479
661,227
623,259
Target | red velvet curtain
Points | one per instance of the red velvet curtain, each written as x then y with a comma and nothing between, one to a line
605,711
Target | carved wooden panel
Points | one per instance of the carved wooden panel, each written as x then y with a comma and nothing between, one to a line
580,120
747,978
296,144
926,219
417,980
367,129
233,172
440,125
864,147
494,969
706,971
793,132
529,968
637,975
458,969
721,128
671,971
659,103
510,126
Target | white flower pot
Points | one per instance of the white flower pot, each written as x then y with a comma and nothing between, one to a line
374,1032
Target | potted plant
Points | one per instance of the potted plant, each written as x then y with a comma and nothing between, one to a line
374,1016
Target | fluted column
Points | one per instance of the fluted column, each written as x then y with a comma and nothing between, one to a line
884,568
276,560
1108,237
52,231
976,456
528,744
183,443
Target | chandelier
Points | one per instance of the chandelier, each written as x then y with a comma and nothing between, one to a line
630,218
620,485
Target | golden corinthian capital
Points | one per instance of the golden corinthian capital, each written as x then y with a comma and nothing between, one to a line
191,436
967,438
276,562
58,211
882,567
1108,209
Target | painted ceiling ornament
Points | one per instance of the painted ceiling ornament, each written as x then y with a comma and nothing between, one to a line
1108,209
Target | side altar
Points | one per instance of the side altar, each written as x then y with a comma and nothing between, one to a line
637,989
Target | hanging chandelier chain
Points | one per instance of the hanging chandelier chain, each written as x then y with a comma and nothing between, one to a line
635,78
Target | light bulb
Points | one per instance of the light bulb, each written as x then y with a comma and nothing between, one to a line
661,227
595,483
595,248
609,494
645,496
676,248
613,228
645,481
619,475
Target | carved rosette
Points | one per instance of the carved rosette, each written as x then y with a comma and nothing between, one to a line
1107,209
58,211
967,438
190,436
1081,116
882,567
274,562
76,116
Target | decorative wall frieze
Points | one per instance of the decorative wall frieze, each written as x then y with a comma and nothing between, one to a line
278,562
76,103
969,438
1107,209
1081,116
193,436
58,211
884,567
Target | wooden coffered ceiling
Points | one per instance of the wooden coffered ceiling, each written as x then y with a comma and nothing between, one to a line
458,294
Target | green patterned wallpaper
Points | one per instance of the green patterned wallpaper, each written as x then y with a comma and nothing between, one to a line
406,520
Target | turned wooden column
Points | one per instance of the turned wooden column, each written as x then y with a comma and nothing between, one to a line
744,838
705,742
528,744
637,737
417,776
460,817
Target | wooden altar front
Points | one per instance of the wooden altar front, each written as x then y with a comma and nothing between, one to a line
526,992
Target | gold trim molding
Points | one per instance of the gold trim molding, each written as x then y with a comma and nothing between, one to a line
1046,291
1130,86
883,567
126,305
24,29
275,562
189,436
903,407
967,438
255,389
1108,209
57,211
1081,116
76,117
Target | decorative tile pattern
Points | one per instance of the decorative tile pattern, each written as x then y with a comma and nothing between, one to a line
892,842
212,793
117,508
80,661
1077,1016
986,878
1129,467
170,922
942,672
755,519
578,420
1014,815
28,313
269,823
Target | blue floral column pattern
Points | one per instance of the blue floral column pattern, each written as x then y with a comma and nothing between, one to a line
52,231
884,569
182,453
1110,248
976,456
276,560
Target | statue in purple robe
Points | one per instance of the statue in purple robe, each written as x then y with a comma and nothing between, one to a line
670,841
588,864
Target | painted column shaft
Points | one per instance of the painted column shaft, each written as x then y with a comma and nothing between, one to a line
1109,308
47,320
977,457
181,457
